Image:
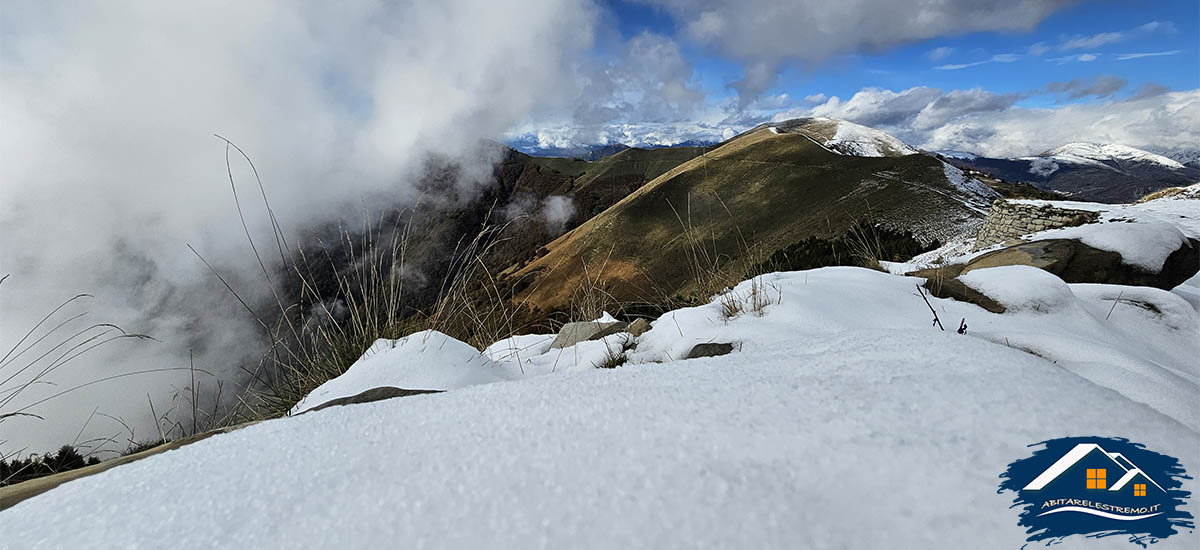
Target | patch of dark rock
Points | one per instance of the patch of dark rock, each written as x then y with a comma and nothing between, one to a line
709,349
371,395
958,290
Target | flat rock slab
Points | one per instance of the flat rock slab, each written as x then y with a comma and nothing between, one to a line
710,349
582,331
1073,262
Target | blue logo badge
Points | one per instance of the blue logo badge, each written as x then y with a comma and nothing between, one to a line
1098,487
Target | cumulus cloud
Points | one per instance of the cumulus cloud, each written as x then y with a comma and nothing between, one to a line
1165,121
879,107
762,34
993,124
647,82
958,103
111,169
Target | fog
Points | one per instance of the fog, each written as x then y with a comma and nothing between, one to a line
111,168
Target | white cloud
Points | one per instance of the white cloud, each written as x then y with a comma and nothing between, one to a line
762,34
957,66
1163,121
1080,58
1128,56
940,53
1094,41
998,58
110,167
557,211
992,124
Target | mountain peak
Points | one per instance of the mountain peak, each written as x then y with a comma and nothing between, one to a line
845,138
1110,152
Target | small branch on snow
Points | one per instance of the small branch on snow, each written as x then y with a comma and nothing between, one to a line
936,321
1114,306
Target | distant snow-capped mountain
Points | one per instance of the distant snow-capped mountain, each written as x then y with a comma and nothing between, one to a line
1187,157
590,152
1111,155
1088,171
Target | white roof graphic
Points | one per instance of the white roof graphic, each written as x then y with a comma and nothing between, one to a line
1129,469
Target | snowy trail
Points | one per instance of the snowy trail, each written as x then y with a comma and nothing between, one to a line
868,439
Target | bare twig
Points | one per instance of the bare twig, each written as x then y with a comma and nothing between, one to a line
936,321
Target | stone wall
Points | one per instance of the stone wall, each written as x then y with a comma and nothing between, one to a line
1010,220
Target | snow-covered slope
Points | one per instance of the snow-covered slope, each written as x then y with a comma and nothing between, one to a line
846,138
1109,153
842,418
1110,173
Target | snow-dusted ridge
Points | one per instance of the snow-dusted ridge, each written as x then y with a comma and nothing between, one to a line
846,138
1110,152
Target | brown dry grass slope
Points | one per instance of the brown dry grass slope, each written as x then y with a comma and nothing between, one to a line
733,206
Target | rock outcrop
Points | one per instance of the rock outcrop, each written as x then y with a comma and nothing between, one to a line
1076,262
582,331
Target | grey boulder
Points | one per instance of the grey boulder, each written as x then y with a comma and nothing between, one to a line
582,331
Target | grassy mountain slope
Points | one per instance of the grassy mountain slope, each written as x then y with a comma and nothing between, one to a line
612,178
735,205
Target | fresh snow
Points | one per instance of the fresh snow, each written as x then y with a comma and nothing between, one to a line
847,138
862,141
1145,244
426,360
842,419
431,360
969,185
1110,152
1144,233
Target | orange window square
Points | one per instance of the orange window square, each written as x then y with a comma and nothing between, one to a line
1139,489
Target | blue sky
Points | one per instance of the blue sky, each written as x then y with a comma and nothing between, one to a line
966,75
913,65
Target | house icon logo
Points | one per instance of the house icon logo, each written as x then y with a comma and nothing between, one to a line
1099,487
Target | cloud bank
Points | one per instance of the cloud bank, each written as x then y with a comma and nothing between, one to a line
111,168
762,34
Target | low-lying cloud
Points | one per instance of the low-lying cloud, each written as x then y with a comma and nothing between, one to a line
111,168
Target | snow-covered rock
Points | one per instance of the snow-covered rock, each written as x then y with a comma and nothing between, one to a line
426,360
